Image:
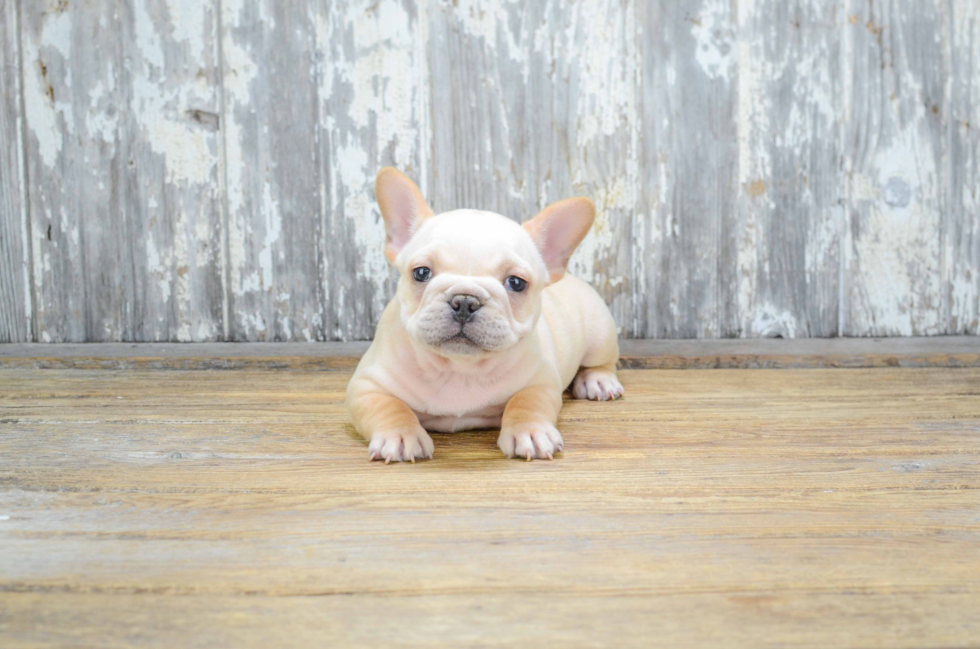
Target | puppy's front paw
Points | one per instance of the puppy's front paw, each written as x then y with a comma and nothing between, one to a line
530,440
401,445
597,384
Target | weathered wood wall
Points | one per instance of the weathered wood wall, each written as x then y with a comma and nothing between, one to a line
203,170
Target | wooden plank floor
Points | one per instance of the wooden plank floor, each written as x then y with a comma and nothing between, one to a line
743,508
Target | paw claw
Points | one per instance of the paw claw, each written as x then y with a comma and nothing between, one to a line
596,384
404,445
531,440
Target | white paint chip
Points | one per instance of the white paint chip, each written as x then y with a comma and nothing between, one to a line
713,31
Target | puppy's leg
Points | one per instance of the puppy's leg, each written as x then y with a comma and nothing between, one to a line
527,429
390,426
597,383
596,379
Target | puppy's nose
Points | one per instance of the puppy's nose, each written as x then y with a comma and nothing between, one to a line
464,307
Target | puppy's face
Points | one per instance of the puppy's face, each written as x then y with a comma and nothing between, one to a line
471,281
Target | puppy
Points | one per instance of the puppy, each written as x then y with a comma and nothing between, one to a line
485,329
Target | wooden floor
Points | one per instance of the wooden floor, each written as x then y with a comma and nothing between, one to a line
737,508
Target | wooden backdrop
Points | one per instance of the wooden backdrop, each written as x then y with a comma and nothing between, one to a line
199,170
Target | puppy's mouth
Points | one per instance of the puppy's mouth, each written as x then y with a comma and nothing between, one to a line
461,337
460,342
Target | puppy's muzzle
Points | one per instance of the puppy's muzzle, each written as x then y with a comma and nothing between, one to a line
464,306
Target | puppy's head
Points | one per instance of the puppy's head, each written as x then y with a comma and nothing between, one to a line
471,281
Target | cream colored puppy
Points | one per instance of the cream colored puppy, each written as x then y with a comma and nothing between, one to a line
485,329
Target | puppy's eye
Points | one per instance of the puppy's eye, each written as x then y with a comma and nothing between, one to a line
516,284
422,274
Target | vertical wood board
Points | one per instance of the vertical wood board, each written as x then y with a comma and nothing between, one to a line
894,71
273,182
15,287
789,186
961,222
688,168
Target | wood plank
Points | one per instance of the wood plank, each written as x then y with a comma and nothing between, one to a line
946,351
789,186
16,317
123,159
688,170
764,508
895,158
961,219
535,102
373,111
178,356
765,618
273,179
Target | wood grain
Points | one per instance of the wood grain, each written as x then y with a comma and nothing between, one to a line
789,185
894,156
273,179
759,507
805,618
689,166
16,311
122,153
961,219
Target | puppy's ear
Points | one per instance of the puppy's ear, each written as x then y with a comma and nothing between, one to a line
558,229
402,207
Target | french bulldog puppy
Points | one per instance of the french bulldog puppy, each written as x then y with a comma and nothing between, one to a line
485,330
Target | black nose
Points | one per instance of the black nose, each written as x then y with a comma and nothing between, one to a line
464,306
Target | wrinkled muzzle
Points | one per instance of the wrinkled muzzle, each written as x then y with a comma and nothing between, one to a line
463,324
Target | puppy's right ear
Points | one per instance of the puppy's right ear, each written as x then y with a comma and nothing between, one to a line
402,207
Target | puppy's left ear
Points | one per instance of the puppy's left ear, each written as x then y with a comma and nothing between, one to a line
558,229
402,207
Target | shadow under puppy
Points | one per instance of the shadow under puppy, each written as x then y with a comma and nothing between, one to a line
485,330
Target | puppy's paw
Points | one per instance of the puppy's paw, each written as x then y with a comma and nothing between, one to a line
531,440
597,384
401,445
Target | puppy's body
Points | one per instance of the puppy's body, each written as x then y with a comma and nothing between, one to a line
484,331
575,330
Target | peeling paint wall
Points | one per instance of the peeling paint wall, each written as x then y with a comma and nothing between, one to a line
197,171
